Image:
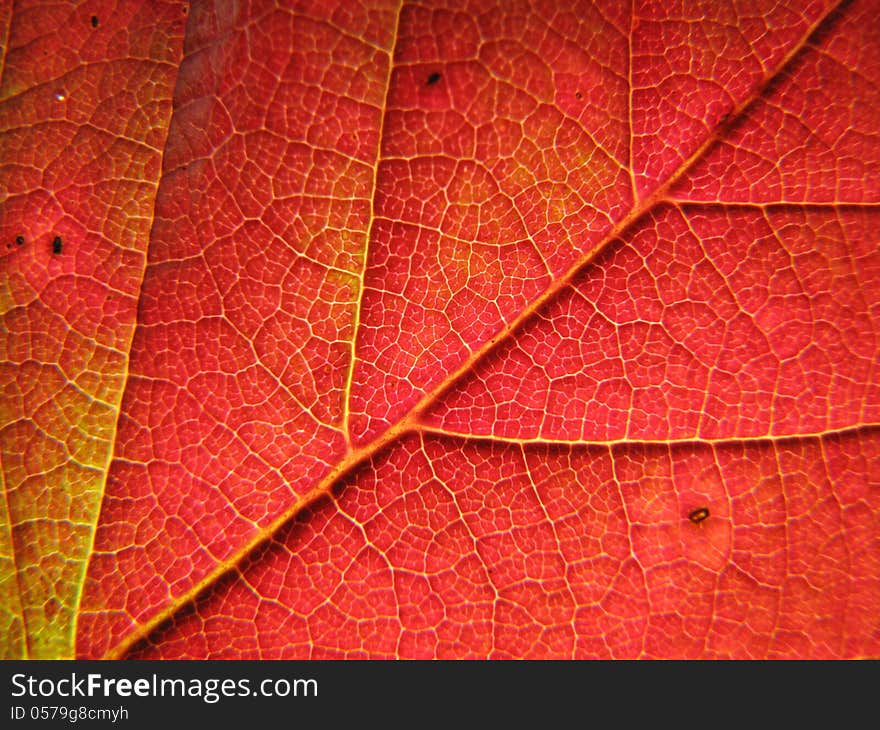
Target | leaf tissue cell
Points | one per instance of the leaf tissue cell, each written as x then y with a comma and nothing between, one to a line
436,372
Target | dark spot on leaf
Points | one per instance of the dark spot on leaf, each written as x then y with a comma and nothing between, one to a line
19,240
56,245
578,95
94,21
698,515
433,78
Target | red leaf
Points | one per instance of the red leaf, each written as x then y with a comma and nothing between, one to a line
528,331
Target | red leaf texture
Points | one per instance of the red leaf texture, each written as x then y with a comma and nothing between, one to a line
371,330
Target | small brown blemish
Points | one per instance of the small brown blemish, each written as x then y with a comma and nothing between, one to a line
698,515
56,245
94,21
19,240
578,95
433,78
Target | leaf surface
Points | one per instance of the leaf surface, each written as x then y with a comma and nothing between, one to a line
463,331
83,119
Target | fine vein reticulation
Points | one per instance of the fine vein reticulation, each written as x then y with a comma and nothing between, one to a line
452,317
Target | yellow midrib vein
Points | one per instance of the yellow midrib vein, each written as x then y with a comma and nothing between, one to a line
411,421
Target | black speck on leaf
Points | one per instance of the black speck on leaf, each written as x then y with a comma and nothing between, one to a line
698,515
56,245
94,21
433,78
578,95
19,240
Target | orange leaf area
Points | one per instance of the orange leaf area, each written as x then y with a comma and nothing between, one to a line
376,330
83,119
